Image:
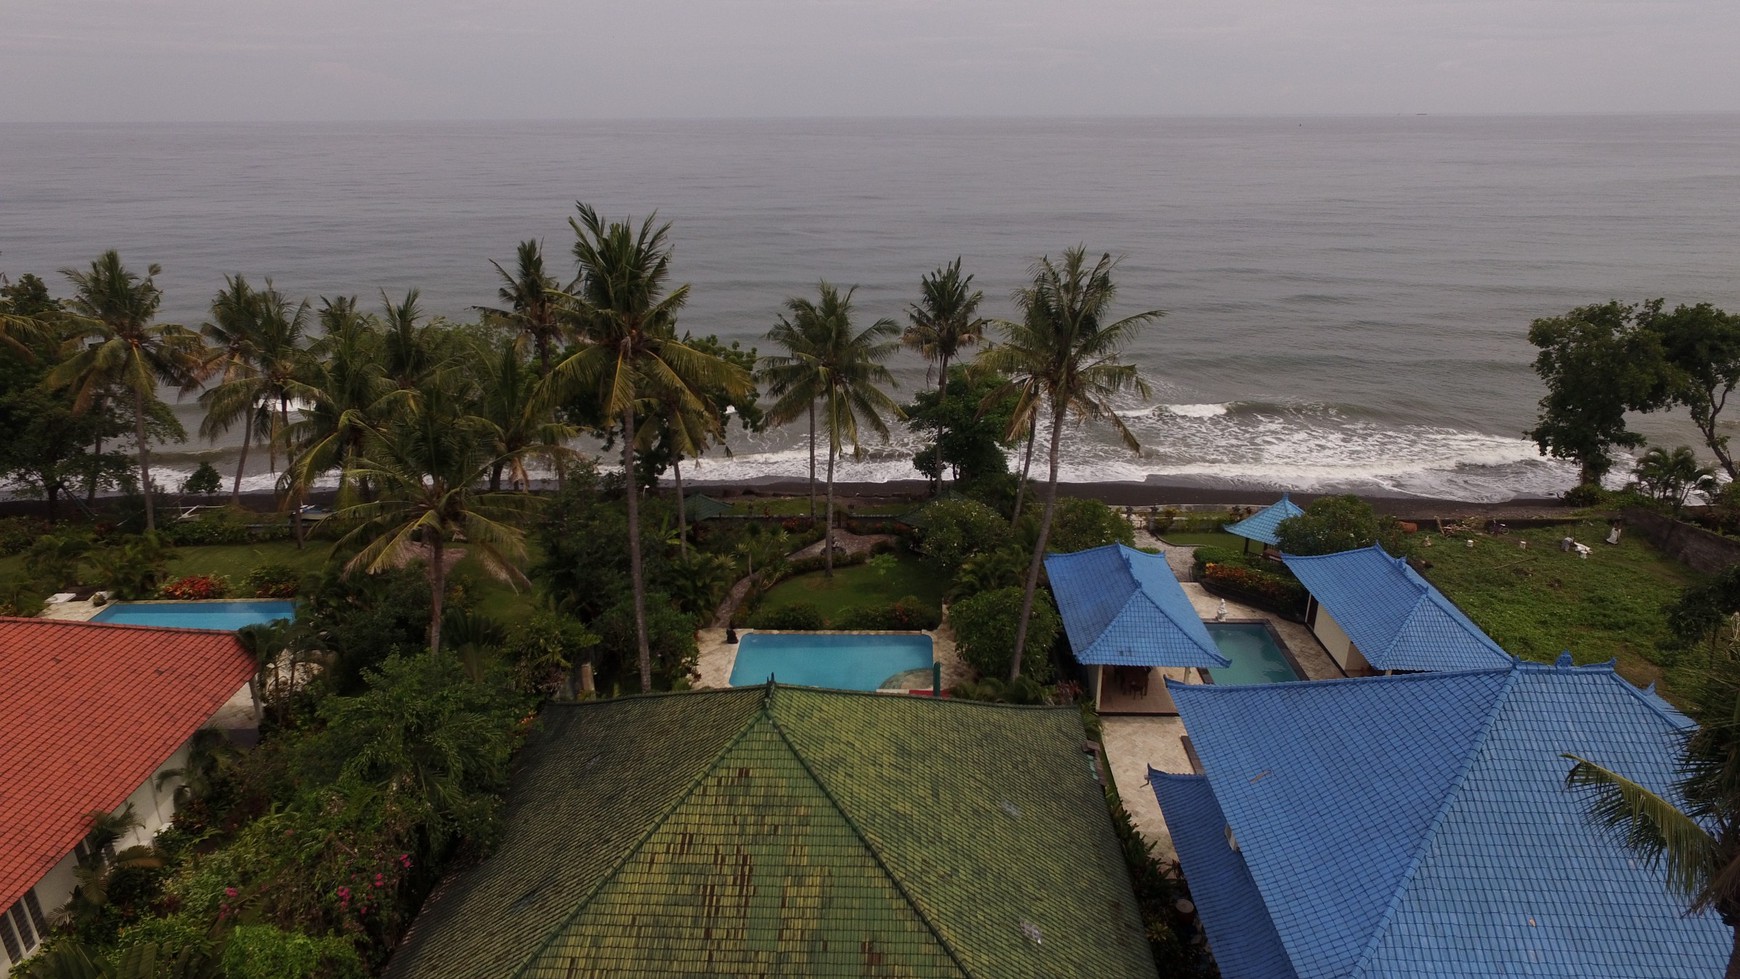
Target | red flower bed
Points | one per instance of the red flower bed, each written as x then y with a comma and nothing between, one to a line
196,587
1274,591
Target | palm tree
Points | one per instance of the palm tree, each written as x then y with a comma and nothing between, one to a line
1698,843
945,319
629,350
532,304
518,425
792,382
257,351
426,466
682,427
1063,355
1671,477
843,369
343,385
116,345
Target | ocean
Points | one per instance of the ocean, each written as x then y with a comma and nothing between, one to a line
1346,298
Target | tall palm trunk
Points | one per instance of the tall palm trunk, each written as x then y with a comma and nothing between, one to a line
828,533
1039,547
242,463
1026,464
437,590
812,462
144,460
636,575
682,510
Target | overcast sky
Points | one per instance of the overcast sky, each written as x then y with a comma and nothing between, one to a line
102,60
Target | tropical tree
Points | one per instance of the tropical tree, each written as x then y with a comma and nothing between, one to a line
532,305
628,351
945,319
1701,345
25,311
1063,354
1598,363
1697,838
115,346
675,428
426,466
838,369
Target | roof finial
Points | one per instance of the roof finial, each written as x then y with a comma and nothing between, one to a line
1564,660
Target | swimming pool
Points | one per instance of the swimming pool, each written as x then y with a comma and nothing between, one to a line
838,660
197,615
1256,658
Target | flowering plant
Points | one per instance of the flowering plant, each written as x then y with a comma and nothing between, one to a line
196,587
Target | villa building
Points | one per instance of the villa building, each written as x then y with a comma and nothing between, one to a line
1374,614
90,716
1420,825
1126,618
775,830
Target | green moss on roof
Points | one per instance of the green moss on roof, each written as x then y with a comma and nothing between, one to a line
787,831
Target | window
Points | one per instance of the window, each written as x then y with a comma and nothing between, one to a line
16,930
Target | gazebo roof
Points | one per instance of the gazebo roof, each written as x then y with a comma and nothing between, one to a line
1123,607
1260,526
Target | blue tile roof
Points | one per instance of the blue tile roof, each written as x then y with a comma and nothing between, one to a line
1419,825
1123,607
1260,526
1395,617
1239,930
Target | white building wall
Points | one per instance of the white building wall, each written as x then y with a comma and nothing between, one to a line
1329,632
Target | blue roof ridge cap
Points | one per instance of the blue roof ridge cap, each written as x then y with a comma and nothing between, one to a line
1649,698
1425,843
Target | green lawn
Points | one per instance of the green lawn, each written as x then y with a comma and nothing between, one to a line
799,506
234,560
1539,601
860,585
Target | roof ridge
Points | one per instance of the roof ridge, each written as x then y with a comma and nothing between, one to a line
131,626
629,852
1426,838
869,847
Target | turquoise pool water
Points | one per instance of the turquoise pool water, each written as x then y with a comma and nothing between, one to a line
1255,657
840,661
197,615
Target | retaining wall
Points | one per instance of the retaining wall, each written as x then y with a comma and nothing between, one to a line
1692,546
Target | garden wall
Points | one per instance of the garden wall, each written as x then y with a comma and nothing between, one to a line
1694,547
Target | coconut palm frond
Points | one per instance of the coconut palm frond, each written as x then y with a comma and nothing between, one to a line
1649,825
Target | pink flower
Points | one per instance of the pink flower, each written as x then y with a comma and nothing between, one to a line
230,892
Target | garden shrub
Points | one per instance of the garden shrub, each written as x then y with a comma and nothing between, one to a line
955,530
17,534
670,635
1263,588
1207,555
800,617
134,565
904,615
227,526
985,627
265,952
544,649
273,581
1081,524
196,587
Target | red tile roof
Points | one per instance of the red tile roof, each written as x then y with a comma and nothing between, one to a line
87,712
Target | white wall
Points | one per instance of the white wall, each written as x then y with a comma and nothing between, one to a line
1329,632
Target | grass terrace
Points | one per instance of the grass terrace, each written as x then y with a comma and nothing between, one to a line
1539,601
872,583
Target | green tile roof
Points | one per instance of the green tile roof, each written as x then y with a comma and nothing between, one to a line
789,831
698,507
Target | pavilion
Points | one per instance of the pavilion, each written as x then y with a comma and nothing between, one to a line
1260,526
1126,616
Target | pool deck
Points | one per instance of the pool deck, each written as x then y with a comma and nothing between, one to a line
80,611
718,657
